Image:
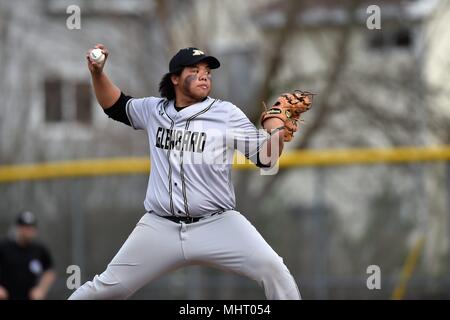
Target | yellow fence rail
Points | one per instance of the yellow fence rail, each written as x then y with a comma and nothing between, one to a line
299,158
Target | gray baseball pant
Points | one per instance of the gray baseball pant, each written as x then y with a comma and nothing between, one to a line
157,246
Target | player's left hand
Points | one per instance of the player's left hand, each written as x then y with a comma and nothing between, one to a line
288,108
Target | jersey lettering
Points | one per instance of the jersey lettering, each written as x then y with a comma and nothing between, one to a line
172,139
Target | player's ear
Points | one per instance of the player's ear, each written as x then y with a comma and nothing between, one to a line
175,79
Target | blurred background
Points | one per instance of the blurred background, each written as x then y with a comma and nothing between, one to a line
378,89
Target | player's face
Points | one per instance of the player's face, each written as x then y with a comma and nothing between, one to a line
195,81
26,234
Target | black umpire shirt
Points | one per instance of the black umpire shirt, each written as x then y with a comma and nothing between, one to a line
22,267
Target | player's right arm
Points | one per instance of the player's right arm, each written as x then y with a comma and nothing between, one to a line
117,105
113,101
106,91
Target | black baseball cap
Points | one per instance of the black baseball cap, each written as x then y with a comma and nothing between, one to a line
190,56
26,218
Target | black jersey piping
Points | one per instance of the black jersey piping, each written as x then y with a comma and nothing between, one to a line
172,210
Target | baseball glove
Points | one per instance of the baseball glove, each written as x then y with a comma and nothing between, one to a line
288,108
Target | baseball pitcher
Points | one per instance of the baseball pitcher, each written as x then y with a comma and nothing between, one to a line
191,215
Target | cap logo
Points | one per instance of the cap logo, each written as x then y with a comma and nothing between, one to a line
28,217
198,53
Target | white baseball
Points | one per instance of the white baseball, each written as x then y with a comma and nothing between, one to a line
97,55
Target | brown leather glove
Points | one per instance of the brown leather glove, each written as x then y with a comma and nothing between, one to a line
288,108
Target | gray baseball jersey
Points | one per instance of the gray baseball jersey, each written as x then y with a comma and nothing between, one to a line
191,153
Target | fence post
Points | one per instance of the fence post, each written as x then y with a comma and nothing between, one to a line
321,252
77,216
448,217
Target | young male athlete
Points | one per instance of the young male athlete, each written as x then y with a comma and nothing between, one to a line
191,216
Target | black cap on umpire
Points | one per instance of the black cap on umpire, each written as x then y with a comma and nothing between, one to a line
183,58
26,218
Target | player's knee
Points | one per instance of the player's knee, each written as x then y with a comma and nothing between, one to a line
270,266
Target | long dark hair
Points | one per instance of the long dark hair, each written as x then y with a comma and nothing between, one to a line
166,88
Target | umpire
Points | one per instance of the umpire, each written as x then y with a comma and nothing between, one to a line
25,266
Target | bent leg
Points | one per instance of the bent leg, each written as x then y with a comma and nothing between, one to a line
231,242
152,249
268,269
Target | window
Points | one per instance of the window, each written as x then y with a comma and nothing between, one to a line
402,38
390,39
53,100
67,101
83,102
